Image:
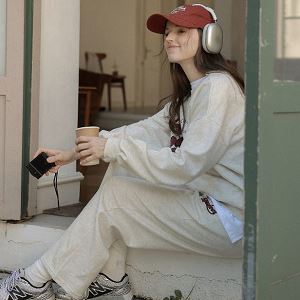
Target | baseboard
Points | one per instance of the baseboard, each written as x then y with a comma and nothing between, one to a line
68,189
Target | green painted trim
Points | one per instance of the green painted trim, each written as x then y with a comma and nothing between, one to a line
251,143
28,29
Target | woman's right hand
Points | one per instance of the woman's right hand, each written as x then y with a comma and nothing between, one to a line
59,157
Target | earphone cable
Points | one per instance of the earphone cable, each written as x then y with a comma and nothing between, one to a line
55,188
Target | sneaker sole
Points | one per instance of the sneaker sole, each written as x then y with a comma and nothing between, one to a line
129,296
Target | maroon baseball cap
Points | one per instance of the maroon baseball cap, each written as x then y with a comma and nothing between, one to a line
189,15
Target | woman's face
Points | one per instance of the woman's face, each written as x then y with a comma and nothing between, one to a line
181,43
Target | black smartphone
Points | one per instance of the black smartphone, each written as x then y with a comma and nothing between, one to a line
39,165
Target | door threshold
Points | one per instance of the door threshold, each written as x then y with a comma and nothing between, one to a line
72,210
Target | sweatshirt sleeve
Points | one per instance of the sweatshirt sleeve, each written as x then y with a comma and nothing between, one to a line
154,131
205,142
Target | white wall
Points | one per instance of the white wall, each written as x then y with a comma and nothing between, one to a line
2,36
223,11
59,73
110,27
58,105
239,33
231,17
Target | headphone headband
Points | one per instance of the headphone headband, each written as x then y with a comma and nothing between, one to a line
209,9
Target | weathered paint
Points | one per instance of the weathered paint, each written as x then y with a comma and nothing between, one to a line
251,144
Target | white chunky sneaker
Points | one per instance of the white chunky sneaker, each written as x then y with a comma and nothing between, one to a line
17,287
101,286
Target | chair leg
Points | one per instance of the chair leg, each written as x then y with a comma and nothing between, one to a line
124,96
87,109
109,96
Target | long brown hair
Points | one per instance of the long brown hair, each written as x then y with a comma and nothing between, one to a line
204,62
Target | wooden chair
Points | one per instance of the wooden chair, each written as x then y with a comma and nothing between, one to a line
117,81
91,86
87,93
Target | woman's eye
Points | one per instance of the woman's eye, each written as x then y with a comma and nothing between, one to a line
166,34
181,31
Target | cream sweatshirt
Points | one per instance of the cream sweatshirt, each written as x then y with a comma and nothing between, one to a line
210,158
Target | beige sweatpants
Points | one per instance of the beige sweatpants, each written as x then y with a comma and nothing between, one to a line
130,212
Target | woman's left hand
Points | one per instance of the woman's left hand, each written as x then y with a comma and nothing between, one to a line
90,148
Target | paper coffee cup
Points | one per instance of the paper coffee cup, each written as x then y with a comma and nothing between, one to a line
88,131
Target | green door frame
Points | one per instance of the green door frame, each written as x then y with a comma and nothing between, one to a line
251,143
28,31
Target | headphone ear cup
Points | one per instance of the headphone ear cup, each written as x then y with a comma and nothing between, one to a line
212,38
204,38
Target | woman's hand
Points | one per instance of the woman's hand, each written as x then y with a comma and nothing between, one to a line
90,148
59,157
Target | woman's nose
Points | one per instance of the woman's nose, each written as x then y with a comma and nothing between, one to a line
170,37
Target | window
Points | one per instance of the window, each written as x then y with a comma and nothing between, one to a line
287,58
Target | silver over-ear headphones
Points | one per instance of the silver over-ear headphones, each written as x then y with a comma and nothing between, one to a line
212,36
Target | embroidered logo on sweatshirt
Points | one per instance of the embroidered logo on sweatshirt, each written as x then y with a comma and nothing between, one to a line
175,142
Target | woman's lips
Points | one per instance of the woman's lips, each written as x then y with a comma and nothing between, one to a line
172,47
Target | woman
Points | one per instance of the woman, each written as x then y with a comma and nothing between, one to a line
167,178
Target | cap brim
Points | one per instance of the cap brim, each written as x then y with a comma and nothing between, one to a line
157,23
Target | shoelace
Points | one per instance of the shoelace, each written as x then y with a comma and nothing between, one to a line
10,282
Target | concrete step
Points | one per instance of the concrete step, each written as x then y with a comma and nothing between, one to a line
154,274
